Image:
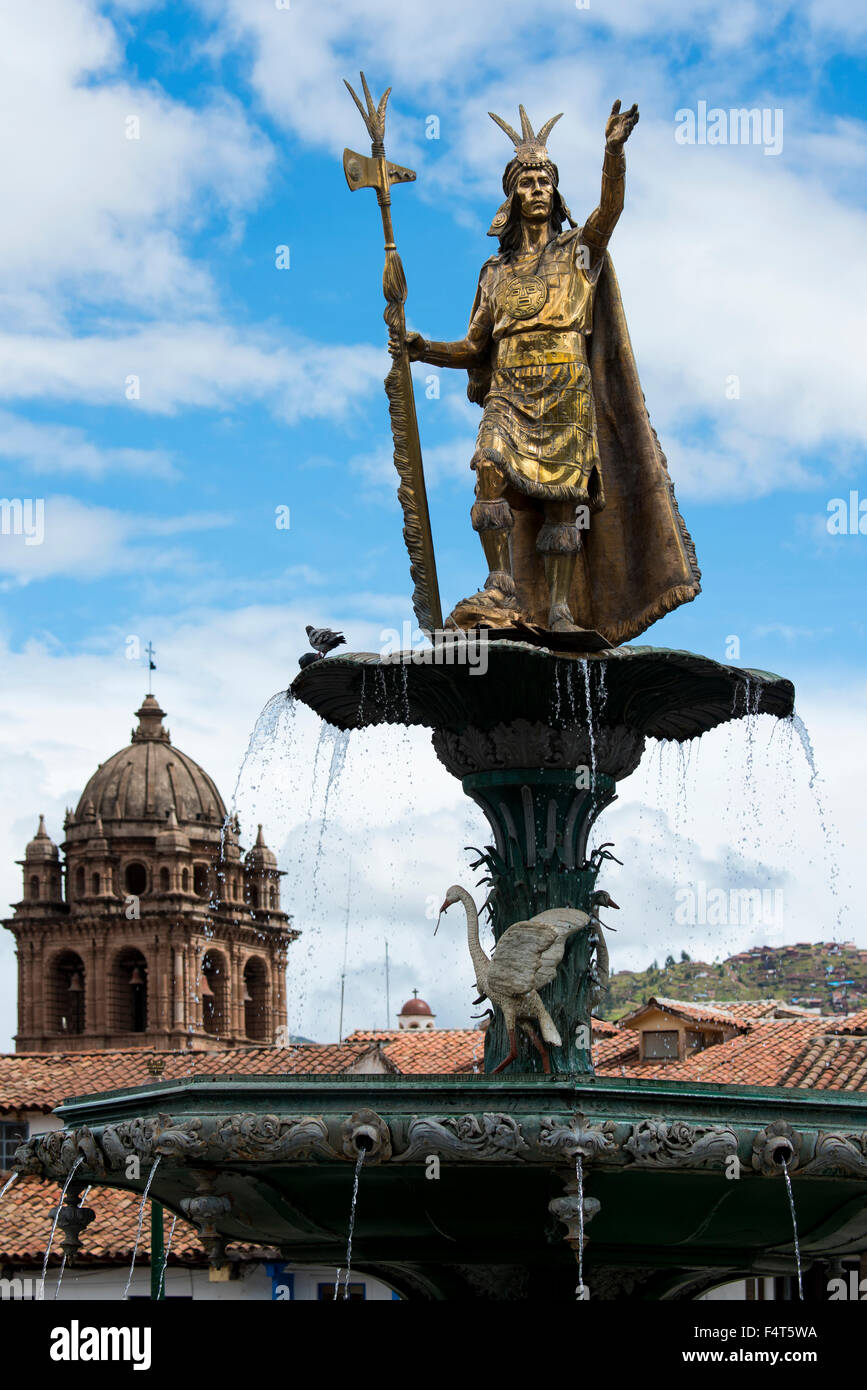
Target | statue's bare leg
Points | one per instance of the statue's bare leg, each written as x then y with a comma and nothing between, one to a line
492,518
558,543
513,1052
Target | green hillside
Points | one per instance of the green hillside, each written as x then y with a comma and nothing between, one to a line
829,975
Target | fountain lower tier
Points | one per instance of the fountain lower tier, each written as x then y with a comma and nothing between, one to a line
539,740
468,1185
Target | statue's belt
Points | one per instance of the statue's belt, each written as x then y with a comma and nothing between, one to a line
539,349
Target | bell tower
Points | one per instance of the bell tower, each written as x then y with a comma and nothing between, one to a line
149,927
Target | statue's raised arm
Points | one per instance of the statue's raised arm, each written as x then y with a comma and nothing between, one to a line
600,224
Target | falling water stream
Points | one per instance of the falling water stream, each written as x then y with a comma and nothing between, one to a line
358,1162
77,1164
579,1174
141,1212
166,1257
794,1227
6,1186
261,742
556,693
588,706
339,748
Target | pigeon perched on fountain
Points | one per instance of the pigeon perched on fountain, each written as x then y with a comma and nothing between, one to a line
323,640
525,959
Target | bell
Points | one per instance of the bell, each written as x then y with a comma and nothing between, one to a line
247,996
136,978
75,986
207,992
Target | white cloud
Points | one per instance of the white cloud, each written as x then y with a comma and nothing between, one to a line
81,541
47,448
192,365
95,213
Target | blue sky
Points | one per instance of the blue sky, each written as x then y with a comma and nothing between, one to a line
262,387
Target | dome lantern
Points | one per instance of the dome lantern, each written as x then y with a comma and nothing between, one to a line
150,722
41,849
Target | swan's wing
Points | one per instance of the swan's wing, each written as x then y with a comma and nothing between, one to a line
571,917
519,955
549,961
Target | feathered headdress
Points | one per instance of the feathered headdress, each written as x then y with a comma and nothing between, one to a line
530,153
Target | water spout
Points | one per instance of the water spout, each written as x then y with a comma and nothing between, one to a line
166,1257
588,706
141,1211
77,1164
783,1161
363,1144
261,745
339,749
581,1292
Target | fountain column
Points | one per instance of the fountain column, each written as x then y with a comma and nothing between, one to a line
541,788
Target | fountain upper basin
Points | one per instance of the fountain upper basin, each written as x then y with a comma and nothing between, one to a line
655,691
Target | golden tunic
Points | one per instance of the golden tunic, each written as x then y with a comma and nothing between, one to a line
539,425
529,325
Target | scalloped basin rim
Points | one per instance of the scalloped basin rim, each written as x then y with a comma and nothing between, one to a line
661,692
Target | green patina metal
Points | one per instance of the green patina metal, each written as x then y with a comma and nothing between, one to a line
541,820
688,1176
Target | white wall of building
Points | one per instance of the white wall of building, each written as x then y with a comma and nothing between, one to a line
88,1284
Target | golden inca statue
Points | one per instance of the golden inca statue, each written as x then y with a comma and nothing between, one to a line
574,505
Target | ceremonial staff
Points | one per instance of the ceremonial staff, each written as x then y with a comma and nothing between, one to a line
375,171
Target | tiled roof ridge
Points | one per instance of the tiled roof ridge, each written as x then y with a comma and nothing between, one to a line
688,1008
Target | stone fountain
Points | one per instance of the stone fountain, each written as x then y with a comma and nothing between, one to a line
484,1186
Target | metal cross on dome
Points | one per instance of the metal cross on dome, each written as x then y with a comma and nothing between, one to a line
151,653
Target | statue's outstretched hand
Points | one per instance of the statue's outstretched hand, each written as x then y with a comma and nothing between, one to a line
415,345
620,125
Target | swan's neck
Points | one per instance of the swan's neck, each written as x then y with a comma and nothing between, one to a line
480,960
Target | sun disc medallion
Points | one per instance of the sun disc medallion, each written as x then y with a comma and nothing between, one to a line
524,296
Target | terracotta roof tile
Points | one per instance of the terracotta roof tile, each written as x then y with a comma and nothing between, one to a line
25,1226
852,1023
39,1081
613,1052
749,1009
762,1057
425,1052
831,1063
602,1028
684,1008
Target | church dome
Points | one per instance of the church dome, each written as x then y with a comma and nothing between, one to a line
419,1007
150,781
416,1014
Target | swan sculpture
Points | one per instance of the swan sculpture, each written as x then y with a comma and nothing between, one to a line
525,959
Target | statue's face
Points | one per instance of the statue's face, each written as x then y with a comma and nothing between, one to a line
535,193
